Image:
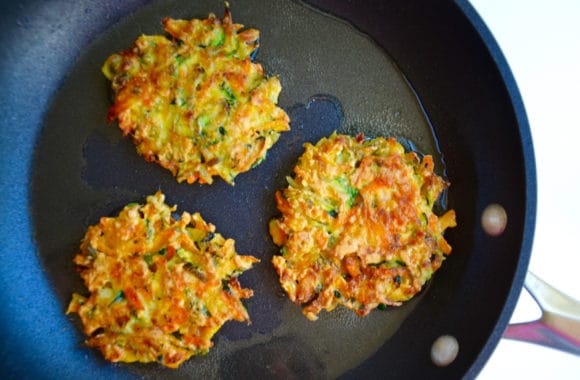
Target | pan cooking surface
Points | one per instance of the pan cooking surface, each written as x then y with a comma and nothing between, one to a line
333,78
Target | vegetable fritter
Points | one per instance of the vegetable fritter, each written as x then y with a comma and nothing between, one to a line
357,226
195,102
159,288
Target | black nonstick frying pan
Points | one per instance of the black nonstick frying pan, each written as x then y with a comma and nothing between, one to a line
428,73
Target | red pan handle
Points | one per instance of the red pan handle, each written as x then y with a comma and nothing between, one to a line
559,326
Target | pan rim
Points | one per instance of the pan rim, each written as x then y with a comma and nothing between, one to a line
531,184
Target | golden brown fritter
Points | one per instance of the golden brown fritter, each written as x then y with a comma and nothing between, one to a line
195,102
357,226
159,288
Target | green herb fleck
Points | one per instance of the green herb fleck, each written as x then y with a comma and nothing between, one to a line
118,298
345,187
203,120
148,257
229,95
219,39
149,228
400,263
92,251
209,237
205,311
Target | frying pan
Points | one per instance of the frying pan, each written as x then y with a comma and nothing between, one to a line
428,73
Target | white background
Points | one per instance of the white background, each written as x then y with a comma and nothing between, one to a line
541,42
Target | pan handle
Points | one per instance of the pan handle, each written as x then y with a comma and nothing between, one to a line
559,326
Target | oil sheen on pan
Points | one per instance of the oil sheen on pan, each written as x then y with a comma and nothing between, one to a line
334,79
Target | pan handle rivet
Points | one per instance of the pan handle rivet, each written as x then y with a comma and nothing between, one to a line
494,219
444,350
